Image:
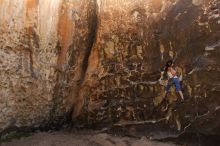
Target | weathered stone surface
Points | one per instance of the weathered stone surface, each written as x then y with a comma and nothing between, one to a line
134,40
43,45
102,58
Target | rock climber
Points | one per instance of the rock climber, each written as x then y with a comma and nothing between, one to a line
172,78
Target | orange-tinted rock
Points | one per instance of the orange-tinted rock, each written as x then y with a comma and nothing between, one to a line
101,60
43,45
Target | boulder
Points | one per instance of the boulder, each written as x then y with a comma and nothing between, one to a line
43,47
123,83
98,63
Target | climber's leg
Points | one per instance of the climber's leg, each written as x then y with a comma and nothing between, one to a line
178,87
167,88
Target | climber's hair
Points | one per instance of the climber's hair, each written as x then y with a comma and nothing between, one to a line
168,64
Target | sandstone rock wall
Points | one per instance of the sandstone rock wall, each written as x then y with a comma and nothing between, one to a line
101,60
134,40
43,44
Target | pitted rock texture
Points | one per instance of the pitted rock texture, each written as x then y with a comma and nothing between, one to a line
43,45
101,59
123,82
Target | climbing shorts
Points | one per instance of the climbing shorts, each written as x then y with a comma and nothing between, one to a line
176,82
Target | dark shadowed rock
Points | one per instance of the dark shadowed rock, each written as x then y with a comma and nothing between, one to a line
134,40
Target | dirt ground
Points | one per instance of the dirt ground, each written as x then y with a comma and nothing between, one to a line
81,139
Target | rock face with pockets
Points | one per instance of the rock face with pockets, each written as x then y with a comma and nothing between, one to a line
134,40
100,61
43,47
